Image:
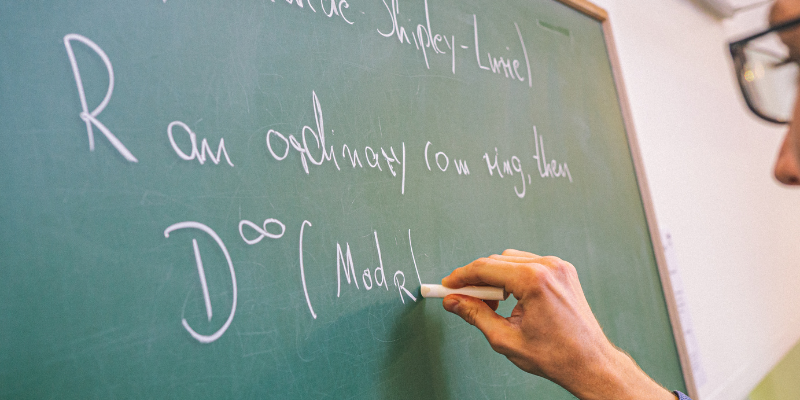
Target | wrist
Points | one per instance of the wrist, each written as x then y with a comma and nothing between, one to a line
615,375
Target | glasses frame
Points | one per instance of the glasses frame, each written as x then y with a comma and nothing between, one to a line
737,53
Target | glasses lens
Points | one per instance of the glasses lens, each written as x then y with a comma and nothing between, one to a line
768,80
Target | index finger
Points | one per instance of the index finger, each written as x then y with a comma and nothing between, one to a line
483,271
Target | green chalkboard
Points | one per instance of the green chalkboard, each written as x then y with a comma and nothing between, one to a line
239,199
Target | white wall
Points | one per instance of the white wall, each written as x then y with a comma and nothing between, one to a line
735,231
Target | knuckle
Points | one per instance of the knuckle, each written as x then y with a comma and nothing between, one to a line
480,262
560,267
545,274
472,267
570,270
470,315
530,276
565,270
541,276
551,261
527,273
547,277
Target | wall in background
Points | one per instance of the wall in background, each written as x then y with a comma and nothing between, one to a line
735,232
782,382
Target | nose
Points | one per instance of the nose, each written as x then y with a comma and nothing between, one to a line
786,166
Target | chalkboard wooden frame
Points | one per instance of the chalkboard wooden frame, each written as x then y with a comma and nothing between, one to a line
591,10
601,15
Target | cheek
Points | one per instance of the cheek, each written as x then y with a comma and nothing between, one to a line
794,144
793,136
792,40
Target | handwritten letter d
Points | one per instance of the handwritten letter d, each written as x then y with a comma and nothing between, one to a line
90,118
196,225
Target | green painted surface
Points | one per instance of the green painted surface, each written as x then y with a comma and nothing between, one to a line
782,382
93,295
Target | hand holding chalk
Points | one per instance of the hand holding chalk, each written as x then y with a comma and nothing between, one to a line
552,331
479,292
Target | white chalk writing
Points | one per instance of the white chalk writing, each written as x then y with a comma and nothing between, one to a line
195,154
552,169
196,225
513,164
90,118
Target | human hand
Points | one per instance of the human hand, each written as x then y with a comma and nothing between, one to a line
552,331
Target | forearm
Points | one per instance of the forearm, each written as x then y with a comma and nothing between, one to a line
618,377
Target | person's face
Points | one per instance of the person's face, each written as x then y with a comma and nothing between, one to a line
787,167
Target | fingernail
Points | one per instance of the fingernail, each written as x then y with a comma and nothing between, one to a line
450,303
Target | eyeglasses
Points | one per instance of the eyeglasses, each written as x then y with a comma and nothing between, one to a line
767,73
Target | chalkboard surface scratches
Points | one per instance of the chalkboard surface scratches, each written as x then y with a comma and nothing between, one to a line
212,268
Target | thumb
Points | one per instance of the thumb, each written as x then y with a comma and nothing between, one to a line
476,313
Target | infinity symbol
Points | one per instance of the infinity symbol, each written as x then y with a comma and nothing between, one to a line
263,232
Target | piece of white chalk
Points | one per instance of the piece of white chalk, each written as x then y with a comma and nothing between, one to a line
480,292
